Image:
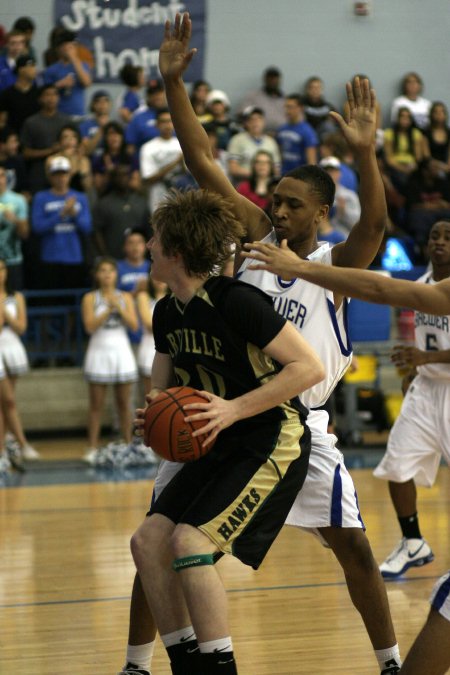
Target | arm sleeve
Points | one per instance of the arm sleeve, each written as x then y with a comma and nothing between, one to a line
159,331
83,218
43,221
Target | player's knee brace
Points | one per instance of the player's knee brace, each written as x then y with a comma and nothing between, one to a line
194,561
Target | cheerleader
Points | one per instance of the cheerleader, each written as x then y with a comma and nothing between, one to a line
14,362
107,313
145,302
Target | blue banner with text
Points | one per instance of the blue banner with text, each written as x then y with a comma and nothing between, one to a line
129,31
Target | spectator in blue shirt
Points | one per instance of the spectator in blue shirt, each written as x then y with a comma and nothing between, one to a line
15,47
133,271
130,99
297,139
70,75
142,127
61,219
92,128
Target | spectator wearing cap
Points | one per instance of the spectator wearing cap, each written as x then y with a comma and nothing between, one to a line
39,136
297,139
317,109
244,145
218,109
21,100
14,228
15,47
346,209
91,128
269,98
61,219
69,74
133,77
142,127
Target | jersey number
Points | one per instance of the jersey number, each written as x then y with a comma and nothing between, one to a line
210,380
431,342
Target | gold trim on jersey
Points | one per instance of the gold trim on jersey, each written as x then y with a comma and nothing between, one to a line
226,527
264,370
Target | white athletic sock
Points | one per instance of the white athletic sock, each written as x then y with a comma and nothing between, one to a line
141,655
182,635
384,655
221,645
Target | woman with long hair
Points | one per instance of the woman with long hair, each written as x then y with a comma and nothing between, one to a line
69,139
437,136
113,153
257,187
107,313
14,362
403,148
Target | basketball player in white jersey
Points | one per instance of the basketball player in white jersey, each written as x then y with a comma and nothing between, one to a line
423,419
301,201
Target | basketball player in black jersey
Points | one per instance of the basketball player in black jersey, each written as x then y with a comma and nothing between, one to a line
222,337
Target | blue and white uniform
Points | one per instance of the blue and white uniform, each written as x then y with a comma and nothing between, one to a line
109,358
420,435
328,496
146,351
13,356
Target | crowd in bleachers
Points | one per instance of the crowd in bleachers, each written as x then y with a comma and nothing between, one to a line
78,170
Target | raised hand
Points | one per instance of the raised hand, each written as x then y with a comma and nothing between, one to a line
174,52
360,124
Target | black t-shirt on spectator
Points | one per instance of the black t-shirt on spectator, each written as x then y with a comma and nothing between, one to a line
20,105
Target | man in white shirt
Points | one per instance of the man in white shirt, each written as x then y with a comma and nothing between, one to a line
160,160
346,209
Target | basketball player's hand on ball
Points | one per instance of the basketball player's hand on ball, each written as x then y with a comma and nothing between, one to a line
139,414
219,412
138,422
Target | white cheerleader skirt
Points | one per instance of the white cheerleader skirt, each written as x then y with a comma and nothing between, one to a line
110,360
13,356
146,354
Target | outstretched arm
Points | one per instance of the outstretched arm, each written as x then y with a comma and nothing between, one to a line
360,284
358,130
175,56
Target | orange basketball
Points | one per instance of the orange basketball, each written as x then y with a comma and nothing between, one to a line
165,430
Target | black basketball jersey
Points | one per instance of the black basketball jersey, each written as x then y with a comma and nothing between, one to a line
216,341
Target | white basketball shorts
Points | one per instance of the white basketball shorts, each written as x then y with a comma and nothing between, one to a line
420,435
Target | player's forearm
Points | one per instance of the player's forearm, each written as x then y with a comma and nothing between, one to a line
438,356
193,138
293,379
360,284
372,194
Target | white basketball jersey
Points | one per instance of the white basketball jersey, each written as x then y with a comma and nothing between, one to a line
432,332
311,310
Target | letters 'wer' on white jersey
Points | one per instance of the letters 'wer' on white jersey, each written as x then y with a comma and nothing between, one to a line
432,333
311,309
